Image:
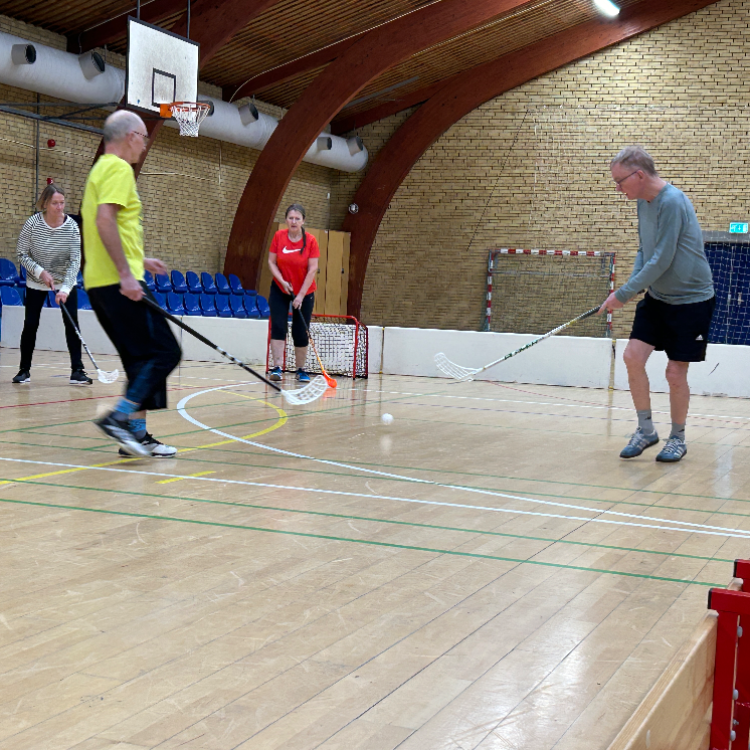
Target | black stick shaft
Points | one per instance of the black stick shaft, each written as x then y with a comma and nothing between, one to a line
207,342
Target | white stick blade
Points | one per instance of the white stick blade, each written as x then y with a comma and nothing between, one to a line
452,369
107,377
308,394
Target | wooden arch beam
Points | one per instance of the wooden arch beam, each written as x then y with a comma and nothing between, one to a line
377,51
468,90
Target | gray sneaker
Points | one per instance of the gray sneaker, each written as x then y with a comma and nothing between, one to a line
674,449
638,443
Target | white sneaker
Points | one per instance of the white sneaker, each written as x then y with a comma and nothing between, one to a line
155,448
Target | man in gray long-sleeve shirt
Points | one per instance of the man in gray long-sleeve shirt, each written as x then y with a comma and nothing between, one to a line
675,314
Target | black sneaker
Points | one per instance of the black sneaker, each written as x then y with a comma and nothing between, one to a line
155,448
24,376
79,377
122,431
274,374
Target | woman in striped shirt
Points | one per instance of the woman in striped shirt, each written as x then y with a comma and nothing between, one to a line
49,248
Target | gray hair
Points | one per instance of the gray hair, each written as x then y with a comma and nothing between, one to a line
636,157
119,124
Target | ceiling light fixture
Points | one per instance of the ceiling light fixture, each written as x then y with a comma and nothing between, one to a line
607,7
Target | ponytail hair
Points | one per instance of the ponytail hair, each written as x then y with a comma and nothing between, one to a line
300,209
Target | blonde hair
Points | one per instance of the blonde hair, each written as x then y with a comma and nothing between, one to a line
636,157
46,195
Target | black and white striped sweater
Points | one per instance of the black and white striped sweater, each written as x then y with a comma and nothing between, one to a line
55,250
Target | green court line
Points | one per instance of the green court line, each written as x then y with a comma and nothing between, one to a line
561,497
429,470
388,545
347,516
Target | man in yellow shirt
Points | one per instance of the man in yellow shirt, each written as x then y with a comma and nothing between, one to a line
114,278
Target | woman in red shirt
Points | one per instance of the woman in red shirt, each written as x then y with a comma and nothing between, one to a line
293,259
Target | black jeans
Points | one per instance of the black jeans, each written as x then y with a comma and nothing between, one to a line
279,302
34,303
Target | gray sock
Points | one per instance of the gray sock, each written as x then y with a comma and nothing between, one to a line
678,430
644,421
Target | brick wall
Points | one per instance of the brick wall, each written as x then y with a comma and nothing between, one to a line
190,187
530,168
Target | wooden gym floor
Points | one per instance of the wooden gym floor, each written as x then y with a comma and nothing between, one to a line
483,573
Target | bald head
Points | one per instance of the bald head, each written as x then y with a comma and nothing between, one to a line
119,124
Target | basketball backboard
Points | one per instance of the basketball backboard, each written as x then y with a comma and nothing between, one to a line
162,67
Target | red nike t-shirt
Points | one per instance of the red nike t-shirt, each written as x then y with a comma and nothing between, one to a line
291,262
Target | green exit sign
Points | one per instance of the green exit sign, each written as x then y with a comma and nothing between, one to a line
737,227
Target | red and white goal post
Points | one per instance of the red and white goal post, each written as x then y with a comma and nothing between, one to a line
536,290
341,341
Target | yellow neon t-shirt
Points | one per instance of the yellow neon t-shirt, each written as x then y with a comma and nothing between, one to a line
111,181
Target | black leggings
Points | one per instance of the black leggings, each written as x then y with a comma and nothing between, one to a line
279,303
35,299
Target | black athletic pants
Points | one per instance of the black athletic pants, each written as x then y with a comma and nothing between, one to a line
34,303
279,302
144,341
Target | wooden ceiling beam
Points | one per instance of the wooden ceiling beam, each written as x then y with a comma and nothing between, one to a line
117,28
468,90
289,70
345,124
377,51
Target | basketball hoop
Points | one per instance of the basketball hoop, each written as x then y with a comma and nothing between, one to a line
189,115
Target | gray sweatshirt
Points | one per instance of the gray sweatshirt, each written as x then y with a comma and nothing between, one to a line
671,262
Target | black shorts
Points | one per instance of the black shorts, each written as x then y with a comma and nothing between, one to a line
679,330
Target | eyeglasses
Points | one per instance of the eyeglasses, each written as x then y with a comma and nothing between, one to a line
619,182
135,132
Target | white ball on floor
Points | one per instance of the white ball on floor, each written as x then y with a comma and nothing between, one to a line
386,418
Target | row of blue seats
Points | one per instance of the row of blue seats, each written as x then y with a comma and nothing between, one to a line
228,299
174,282
207,305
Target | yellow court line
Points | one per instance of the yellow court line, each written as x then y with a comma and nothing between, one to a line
179,479
280,422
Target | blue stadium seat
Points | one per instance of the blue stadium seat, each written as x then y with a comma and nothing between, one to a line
193,283
51,301
83,300
79,280
209,287
207,305
235,284
174,304
8,275
263,308
163,283
222,285
222,306
237,305
10,296
178,282
21,277
251,307
148,277
192,304
161,300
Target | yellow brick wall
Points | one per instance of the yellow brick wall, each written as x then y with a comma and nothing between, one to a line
189,187
530,168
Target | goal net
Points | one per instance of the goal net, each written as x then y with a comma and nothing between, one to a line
341,341
730,265
534,291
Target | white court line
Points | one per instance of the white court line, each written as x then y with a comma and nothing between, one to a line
183,412
733,533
